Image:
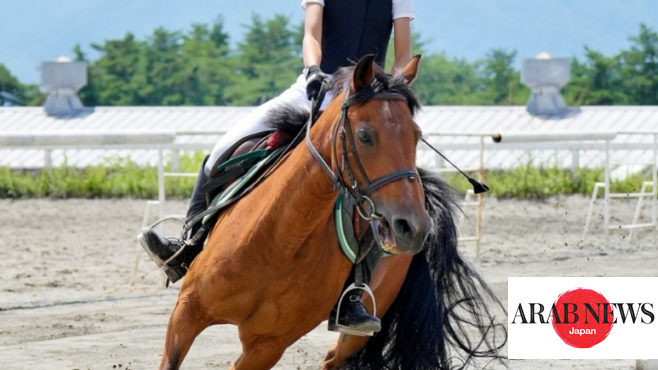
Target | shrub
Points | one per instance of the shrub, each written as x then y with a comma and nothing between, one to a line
123,178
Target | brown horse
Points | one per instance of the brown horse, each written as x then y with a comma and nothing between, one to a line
271,265
435,308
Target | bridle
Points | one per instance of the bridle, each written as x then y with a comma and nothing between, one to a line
343,130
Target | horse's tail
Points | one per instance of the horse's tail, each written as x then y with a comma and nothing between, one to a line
442,305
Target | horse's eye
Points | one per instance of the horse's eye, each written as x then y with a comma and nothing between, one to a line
365,138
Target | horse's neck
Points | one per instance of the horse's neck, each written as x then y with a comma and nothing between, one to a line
302,193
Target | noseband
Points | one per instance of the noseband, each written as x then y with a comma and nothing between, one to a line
343,130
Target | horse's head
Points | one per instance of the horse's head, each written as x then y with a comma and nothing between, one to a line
378,136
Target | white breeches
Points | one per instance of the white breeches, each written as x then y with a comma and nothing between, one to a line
255,122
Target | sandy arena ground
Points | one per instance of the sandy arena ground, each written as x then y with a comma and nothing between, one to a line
66,302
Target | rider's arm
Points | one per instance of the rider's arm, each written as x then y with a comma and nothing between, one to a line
312,44
403,13
402,43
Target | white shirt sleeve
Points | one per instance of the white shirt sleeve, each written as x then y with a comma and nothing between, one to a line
304,2
403,9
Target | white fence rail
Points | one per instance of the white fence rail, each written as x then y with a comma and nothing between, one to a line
77,139
49,141
551,136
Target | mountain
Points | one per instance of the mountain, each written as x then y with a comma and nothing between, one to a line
37,30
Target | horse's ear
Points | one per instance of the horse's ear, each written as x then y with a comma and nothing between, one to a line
364,73
411,69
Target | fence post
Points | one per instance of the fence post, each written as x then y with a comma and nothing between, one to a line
575,160
161,187
175,160
48,158
478,226
606,205
654,176
439,162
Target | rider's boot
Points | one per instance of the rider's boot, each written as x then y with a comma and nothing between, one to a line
353,313
162,250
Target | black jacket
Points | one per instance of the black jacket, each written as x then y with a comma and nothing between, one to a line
355,28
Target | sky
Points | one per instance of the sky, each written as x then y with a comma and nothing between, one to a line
32,31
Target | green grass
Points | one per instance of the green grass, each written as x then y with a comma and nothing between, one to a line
121,178
116,178
530,182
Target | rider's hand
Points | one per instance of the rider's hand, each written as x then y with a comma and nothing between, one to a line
314,79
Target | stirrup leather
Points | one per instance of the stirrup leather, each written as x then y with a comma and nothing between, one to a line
334,325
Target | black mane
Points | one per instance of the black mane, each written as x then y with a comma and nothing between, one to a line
291,118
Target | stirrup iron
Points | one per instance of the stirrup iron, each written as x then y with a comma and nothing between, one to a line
334,325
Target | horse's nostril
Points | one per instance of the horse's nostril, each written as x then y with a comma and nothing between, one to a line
403,228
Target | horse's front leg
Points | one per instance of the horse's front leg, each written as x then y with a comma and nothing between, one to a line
338,354
259,353
387,280
187,321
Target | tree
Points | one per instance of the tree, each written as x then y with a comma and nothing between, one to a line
630,77
160,69
596,81
206,67
10,88
89,93
502,83
112,77
13,92
168,68
446,81
267,62
639,67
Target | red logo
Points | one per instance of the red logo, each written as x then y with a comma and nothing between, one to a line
582,318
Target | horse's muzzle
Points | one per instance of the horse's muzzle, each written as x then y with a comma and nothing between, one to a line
402,233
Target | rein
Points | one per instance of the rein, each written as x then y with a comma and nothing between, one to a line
353,189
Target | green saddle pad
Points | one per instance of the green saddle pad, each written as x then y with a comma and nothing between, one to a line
227,196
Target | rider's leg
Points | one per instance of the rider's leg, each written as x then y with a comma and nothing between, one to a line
255,122
161,249
352,311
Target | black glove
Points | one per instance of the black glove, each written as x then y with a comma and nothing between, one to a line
314,79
